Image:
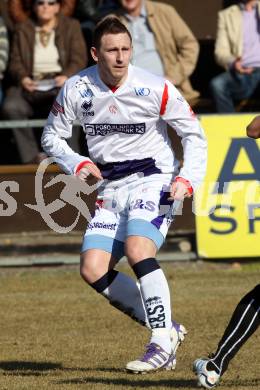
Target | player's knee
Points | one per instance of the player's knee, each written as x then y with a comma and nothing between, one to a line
87,269
84,271
97,278
138,248
135,253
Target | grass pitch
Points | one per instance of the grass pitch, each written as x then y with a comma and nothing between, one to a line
57,333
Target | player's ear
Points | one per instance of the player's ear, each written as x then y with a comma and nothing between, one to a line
93,52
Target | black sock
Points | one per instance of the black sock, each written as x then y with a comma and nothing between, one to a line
244,322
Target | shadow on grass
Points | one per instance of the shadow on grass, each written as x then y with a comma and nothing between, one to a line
25,368
173,383
32,368
131,382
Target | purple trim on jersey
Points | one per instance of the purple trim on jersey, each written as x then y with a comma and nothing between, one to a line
118,170
157,222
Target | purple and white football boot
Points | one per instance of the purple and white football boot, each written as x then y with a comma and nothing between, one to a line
156,357
178,333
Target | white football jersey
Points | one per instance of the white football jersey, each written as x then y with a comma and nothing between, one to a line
126,130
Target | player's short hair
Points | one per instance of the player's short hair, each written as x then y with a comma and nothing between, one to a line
109,25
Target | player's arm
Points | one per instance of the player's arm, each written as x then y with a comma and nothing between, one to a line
178,114
253,129
58,129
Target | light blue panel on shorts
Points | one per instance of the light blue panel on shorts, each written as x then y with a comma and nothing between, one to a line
107,244
139,227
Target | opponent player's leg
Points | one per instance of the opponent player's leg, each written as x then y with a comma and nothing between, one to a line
243,323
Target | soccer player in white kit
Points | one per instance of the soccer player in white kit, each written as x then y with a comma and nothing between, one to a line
124,112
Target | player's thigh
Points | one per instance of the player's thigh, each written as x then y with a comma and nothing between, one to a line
138,248
95,263
103,242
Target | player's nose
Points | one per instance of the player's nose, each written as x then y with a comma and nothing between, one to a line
119,56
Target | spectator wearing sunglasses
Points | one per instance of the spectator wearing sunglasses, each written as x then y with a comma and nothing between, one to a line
20,10
47,49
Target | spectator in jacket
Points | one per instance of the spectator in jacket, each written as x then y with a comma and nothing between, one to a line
4,46
5,14
237,50
162,42
46,50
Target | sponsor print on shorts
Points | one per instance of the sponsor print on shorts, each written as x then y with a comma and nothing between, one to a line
102,225
148,205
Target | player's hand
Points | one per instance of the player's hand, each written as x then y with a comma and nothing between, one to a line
179,191
90,173
60,80
253,129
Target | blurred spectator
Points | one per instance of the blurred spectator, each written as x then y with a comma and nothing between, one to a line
20,10
46,50
4,12
237,49
94,10
4,47
162,42
89,12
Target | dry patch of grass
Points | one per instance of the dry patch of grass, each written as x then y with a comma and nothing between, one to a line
56,333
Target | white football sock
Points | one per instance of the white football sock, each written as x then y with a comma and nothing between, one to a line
156,297
124,294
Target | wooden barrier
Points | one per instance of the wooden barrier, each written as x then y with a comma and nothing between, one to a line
25,219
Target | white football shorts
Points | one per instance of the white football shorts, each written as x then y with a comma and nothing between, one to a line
134,205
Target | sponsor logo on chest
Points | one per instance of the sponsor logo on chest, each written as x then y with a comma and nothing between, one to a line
87,105
142,91
105,128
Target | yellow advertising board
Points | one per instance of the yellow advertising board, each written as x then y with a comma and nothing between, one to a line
227,206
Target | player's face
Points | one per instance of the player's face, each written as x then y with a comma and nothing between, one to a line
113,57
